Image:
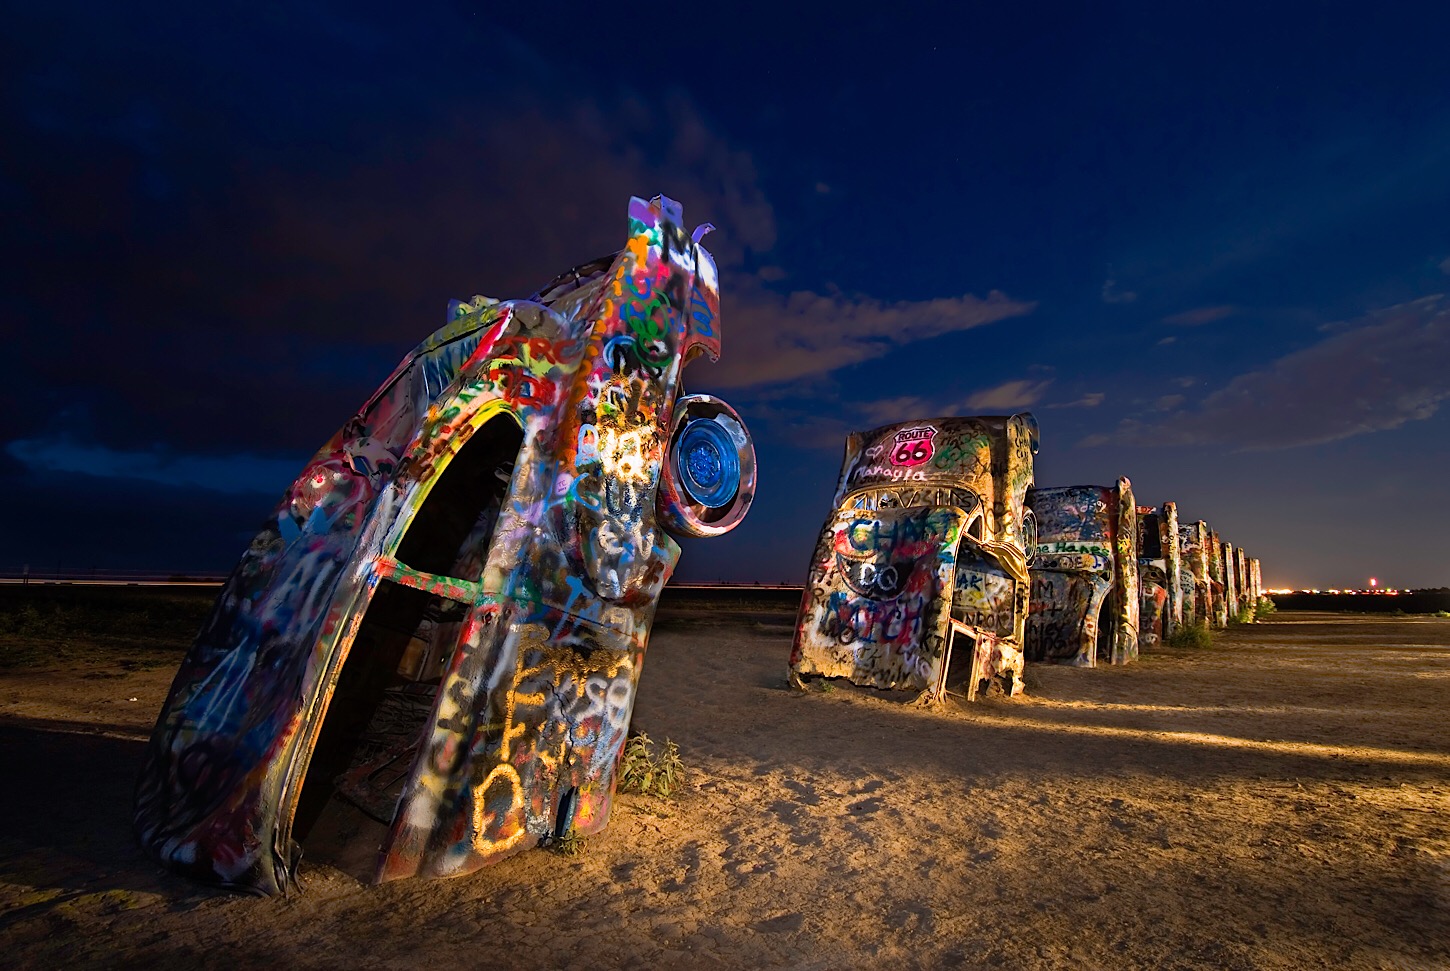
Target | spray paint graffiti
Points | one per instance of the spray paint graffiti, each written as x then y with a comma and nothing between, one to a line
480,548
1194,578
1229,571
919,576
1246,599
1161,609
1084,570
1219,605
1219,582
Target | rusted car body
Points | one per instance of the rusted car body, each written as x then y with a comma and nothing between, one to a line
443,624
919,578
1160,610
1084,600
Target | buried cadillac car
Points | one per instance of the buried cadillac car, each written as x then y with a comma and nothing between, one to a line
1084,575
440,631
919,578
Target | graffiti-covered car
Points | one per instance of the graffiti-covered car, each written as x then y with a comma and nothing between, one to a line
1228,564
1197,595
441,628
919,577
1084,575
1216,579
1160,610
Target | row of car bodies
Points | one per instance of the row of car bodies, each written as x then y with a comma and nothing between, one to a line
1219,583
1111,578
941,566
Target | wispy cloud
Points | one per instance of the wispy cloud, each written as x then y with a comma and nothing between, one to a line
903,408
1008,396
1199,316
821,418
1090,400
1371,374
775,337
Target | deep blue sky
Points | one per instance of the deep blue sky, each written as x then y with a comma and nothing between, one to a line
1202,243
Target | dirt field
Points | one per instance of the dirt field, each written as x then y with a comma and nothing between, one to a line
1281,800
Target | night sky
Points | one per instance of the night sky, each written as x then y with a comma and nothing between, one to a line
1204,244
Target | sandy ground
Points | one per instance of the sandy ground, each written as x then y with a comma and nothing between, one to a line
1277,801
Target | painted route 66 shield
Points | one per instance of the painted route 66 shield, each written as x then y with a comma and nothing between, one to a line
913,446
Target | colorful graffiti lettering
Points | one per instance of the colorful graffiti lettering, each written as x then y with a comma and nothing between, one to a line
902,577
1159,567
1084,599
477,553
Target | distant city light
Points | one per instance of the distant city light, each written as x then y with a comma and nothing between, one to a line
1373,582
1341,591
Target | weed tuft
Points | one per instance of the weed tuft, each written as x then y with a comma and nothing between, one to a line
570,844
643,771
1190,636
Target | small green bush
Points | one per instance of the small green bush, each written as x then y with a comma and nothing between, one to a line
1265,608
1194,636
642,771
